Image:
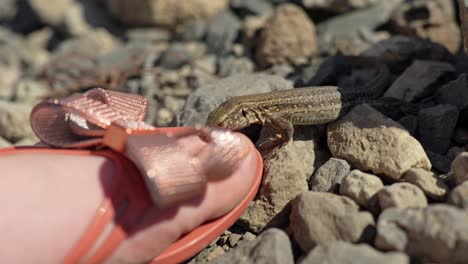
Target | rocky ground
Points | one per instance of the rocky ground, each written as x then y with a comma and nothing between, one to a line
364,189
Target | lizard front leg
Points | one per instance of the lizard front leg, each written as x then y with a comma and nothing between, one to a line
275,133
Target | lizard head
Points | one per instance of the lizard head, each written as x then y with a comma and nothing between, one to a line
230,115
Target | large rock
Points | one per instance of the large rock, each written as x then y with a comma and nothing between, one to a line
272,246
340,252
318,218
205,99
401,195
361,187
419,80
436,234
288,37
285,177
436,127
166,13
338,6
373,142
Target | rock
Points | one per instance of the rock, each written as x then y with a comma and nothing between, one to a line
436,127
285,177
419,80
176,56
4,143
8,10
373,142
91,43
433,19
29,91
398,52
353,32
164,13
205,99
249,236
318,218
221,33
252,7
459,168
429,183
193,31
361,187
328,177
439,162
86,15
272,246
231,65
461,136
14,121
50,12
410,122
436,234
401,195
287,37
454,92
346,253
233,239
11,71
459,196
337,7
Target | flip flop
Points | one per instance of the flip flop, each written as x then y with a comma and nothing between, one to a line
101,118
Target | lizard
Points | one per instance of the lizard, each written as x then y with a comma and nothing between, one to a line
279,111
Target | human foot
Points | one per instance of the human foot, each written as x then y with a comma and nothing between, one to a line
57,188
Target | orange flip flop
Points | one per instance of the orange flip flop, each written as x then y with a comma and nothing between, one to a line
112,122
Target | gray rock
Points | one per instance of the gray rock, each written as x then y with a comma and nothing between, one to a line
398,52
401,195
285,176
272,246
205,99
194,31
373,142
318,218
419,80
8,10
231,65
346,253
438,233
14,121
436,127
410,122
349,28
337,6
439,162
11,71
454,92
252,7
221,33
429,183
328,177
461,136
179,54
361,187
152,35
459,196
459,168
